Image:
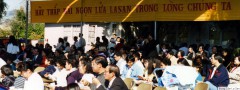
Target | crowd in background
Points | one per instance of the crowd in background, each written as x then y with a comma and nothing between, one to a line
71,66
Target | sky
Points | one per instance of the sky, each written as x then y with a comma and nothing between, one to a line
11,6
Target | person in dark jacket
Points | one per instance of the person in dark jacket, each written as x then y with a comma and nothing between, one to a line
217,76
112,74
50,69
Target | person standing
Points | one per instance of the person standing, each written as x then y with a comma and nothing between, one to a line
12,48
82,42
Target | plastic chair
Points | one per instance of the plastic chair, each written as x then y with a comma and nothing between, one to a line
129,82
201,86
160,88
39,69
144,86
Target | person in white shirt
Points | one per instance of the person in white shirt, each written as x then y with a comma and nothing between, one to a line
33,80
82,42
2,62
75,39
12,47
61,73
120,61
172,58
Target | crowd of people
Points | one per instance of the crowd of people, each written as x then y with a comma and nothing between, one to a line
108,63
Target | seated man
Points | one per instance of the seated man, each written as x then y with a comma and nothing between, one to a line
217,76
33,80
112,74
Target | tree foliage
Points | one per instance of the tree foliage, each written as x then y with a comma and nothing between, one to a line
3,7
18,26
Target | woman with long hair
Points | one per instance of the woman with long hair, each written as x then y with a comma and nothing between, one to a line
234,73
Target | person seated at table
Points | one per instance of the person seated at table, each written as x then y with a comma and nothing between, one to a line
7,75
50,69
217,76
33,80
234,73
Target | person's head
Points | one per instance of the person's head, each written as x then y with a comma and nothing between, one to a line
114,35
65,38
60,40
58,52
75,38
214,50
148,64
12,39
201,48
73,86
19,67
165,62
6,70
180,54
117,56
216,59
237,61
136,55
27,70
85,66
170,54
80,34
190,49
49,61
198,66
98,63
61,64
35,51
130,60
111,71
118,39
69,64
67,44
224,52
98,39
156,63
183,61
96,50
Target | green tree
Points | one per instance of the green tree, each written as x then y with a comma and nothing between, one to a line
18,25
3,7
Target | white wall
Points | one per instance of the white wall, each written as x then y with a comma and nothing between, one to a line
55,31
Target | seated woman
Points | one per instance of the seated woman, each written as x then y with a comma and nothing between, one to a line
85,67
234,73
148,71
7,75
50,69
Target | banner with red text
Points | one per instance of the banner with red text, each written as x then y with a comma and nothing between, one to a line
57,11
